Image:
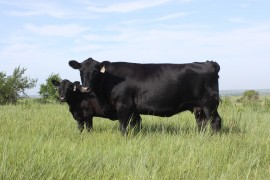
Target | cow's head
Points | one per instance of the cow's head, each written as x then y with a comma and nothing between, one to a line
66,88
89,72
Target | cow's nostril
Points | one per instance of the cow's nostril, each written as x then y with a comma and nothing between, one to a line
62,98
85,89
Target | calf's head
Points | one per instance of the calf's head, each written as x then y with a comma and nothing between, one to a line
89,72
66,88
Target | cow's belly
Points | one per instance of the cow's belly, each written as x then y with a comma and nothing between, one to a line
161,107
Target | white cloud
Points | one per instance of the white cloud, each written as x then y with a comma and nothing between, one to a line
24,13
134,22
67,30
52,9
53,13
237,20
106,38
127,6
83,47
35,8
172,16
244,5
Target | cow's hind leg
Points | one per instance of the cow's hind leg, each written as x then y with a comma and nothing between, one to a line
124,118
136,121
212,115
216,122
200,118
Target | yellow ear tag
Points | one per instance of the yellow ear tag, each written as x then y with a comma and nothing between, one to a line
102,70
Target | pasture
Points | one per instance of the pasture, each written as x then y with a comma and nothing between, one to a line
41,141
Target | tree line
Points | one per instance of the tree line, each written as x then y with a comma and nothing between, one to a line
13,88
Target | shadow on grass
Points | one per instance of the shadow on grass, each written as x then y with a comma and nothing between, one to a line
166,129
232,130
180,130
171,129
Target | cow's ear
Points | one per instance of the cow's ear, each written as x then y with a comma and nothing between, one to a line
102,69
74,64
76,85
103,65
55,82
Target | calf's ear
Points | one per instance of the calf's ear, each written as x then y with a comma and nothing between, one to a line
76,85
74,64
55,82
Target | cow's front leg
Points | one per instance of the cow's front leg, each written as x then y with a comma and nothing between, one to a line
80,125
89,123
136,121
125,114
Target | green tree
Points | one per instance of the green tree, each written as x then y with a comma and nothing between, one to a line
14,87
48,91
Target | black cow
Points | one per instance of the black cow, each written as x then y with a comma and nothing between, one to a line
154,89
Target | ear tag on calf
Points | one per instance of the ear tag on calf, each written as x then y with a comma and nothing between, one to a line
102,70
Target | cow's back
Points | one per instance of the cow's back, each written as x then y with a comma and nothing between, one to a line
164,88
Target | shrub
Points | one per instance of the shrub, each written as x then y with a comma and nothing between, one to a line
48,91
13,87
250,96
250,99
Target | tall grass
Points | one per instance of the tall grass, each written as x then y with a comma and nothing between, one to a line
41,141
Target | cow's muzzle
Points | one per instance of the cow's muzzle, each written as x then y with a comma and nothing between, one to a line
62,98
85,89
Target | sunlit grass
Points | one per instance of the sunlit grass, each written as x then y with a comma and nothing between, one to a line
41,141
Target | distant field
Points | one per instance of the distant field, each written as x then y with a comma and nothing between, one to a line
262,92
41,141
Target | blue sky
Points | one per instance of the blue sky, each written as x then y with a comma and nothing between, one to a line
43,36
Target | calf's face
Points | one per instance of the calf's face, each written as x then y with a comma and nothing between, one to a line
65,88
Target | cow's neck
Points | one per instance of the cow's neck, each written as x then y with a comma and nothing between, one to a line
97,105
100,92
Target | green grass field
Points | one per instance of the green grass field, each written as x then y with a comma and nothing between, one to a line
41,141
